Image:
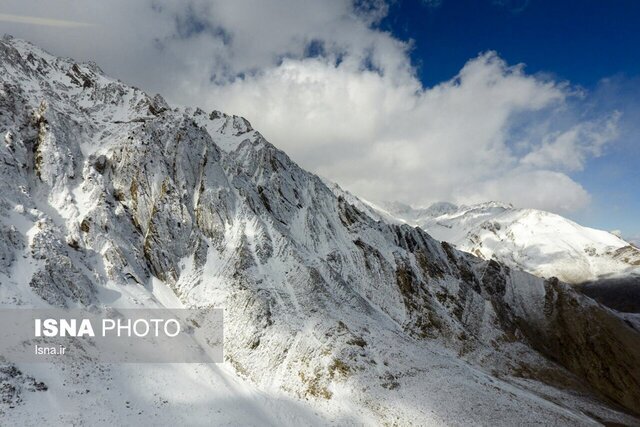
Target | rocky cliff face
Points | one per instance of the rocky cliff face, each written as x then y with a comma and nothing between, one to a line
111,197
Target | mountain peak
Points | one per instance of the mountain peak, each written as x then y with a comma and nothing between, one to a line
540,242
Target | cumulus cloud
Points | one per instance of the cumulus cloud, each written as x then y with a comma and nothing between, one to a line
542,189
400,141
324,83
570,149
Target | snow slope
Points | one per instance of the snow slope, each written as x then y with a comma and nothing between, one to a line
110,197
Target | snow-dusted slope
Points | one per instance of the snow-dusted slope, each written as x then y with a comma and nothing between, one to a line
539,242
111,197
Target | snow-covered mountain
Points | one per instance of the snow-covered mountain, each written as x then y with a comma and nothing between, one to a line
541,243
110,197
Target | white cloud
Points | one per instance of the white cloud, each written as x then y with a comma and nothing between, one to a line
398,141
32,20
542,189
321,81
570,149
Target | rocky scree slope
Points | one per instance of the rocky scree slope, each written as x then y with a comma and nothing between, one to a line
112,197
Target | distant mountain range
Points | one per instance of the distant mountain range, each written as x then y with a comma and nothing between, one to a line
541,243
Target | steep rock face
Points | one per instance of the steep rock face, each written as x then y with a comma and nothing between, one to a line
109,196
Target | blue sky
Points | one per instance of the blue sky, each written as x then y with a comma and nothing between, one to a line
580,40
414,101
594,44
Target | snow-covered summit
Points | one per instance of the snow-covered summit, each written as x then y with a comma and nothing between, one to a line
542,243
